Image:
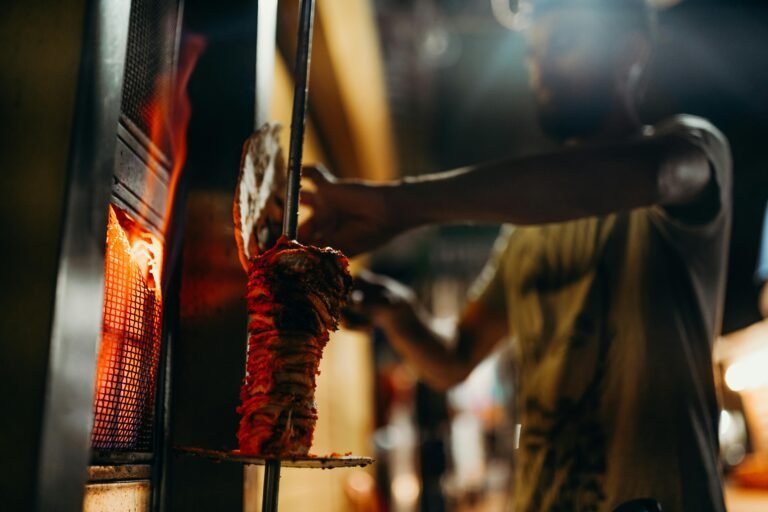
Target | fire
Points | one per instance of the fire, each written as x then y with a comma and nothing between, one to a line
170,114
130,340
167,116
144,248
131,337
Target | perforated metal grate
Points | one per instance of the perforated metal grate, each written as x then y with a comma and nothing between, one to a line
151,40
129,352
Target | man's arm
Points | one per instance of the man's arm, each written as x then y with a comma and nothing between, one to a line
565,185
440,362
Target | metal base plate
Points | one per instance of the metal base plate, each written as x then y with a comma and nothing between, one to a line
305,462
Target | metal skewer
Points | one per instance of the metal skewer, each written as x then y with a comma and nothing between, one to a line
271,485
301,76
291,214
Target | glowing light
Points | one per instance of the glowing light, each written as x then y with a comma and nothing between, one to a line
132,320
726,423
129,347
733,436
406,489
361,482
748,372
169,114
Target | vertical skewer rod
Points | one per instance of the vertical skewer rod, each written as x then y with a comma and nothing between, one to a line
271,486
301,76
291,215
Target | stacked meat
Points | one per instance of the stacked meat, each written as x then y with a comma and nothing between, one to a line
295,296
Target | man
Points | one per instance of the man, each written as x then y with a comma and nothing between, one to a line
610,286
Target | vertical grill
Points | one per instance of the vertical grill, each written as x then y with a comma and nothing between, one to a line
131,339
151,46
129,352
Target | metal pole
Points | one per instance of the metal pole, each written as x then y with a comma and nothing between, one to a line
301,76
271,486
291,215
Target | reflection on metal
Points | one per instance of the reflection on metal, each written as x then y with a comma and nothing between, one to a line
306,462
117,497
114,473
664,4
266,20
141,177
67,409
109,457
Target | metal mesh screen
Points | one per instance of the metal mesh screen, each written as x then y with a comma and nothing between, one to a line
151,40
129,353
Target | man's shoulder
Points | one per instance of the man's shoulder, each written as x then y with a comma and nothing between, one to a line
710,140
697,130
687,122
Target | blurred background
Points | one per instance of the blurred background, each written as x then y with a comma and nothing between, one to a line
397,88
455,93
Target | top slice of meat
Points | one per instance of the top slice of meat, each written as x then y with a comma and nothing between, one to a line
260,193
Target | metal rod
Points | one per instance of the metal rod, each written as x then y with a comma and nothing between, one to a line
291,216
271,486
301,76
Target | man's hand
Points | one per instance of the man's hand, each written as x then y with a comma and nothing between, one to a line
377,300
352,216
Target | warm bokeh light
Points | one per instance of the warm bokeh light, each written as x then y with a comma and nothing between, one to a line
406,488
748,372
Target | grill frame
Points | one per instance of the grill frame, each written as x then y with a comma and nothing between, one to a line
140,187
61,454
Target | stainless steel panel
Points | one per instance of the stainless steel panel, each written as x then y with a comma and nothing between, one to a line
67,409
141,179
102,474
117,497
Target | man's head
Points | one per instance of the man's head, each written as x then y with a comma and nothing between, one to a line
586,61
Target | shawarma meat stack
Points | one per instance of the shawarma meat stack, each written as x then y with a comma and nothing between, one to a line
295,296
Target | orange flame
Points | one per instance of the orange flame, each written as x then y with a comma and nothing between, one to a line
130,339
132,321
168,117
145,249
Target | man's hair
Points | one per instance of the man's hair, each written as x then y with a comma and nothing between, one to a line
627,14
